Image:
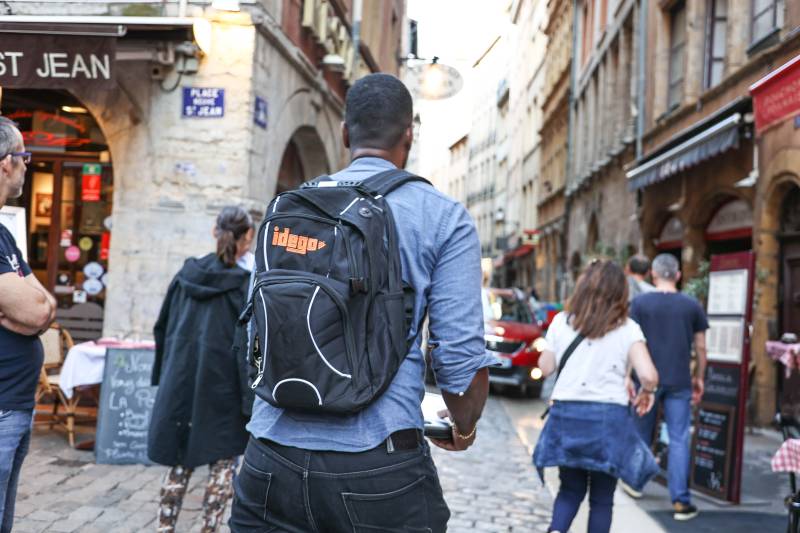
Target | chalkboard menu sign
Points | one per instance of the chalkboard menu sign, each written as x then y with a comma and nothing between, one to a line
722,385
126,401
713,446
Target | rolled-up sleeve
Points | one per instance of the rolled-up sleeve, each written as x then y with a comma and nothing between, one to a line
454,304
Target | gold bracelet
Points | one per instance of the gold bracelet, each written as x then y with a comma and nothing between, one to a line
464,437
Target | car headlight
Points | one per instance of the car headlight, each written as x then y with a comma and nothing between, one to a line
539,344
536,373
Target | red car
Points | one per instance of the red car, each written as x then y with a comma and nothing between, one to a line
515,337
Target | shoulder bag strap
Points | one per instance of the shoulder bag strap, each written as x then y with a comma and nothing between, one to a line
571,348
564,358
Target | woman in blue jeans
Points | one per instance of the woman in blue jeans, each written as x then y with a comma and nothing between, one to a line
590,434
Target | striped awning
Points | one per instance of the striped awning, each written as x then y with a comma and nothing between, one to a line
709,143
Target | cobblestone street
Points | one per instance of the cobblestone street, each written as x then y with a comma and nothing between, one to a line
492,487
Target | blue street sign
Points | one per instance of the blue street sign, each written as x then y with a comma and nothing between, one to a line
203,102
260,112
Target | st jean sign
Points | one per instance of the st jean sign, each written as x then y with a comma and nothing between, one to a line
56,61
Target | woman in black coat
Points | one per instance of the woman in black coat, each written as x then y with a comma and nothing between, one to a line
203,400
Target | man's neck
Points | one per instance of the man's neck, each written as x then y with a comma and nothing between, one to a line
638,277
389,155
664,285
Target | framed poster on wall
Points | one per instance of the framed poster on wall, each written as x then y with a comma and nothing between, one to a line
13,218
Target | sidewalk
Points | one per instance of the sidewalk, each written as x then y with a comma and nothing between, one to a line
762,494
489,488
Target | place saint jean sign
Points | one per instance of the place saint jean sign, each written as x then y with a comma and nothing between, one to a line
56,61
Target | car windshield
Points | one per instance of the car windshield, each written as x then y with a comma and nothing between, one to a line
505,308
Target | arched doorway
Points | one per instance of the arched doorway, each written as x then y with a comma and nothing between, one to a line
592,235
68,195
670,239
730,229
304,158
790,262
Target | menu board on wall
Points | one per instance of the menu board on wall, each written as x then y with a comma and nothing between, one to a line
727,292
725,339
712,447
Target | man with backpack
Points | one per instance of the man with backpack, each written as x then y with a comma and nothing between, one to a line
347,268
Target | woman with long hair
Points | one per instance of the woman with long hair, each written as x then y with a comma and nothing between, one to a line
203,401
590,434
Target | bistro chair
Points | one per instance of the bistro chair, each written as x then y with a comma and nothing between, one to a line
56,342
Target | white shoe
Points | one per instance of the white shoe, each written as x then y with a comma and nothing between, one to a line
630,491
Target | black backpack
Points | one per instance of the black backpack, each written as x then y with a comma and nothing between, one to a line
329,315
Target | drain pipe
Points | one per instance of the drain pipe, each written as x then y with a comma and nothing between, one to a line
357,9
642,75
573,66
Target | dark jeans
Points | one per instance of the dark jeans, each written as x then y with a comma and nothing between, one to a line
15,438
570,495
290,490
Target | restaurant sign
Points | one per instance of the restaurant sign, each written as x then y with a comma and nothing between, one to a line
776,97
56,61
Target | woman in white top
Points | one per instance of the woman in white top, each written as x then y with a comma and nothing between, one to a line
590,434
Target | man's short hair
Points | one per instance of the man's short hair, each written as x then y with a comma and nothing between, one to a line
639,264
378,110
8,136
665,266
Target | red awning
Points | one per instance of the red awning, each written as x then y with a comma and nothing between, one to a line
522,250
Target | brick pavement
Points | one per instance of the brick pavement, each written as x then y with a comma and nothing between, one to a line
491,487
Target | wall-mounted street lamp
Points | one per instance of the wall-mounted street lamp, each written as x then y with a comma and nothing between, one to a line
432,80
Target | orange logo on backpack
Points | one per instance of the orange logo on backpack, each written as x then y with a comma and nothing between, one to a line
295,244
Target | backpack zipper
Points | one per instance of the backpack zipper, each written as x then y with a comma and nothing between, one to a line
350,344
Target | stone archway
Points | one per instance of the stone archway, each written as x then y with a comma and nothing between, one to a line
780,178
303,158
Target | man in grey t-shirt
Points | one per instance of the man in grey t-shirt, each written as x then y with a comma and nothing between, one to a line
637,270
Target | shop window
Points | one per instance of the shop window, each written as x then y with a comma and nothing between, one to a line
716,42
767,17
677,54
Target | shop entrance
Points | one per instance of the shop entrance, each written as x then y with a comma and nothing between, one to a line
68,199
790,267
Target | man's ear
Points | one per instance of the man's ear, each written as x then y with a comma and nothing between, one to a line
678,276
345,136
408,137
5,166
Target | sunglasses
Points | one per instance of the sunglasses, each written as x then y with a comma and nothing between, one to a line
26,156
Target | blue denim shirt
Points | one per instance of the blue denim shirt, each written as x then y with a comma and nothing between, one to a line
440,255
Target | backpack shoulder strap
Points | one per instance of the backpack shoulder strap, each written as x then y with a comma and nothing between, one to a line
383,183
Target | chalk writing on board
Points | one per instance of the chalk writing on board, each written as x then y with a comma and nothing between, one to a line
126,403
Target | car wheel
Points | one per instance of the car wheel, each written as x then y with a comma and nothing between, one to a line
531,390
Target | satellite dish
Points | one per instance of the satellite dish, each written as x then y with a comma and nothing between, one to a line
434,81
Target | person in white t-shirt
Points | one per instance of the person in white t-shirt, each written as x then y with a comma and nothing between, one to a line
590,434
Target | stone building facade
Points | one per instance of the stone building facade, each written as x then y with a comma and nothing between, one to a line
526,80
172,173
706,186
604,93
551,200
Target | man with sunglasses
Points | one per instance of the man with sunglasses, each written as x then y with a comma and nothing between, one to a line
26,309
